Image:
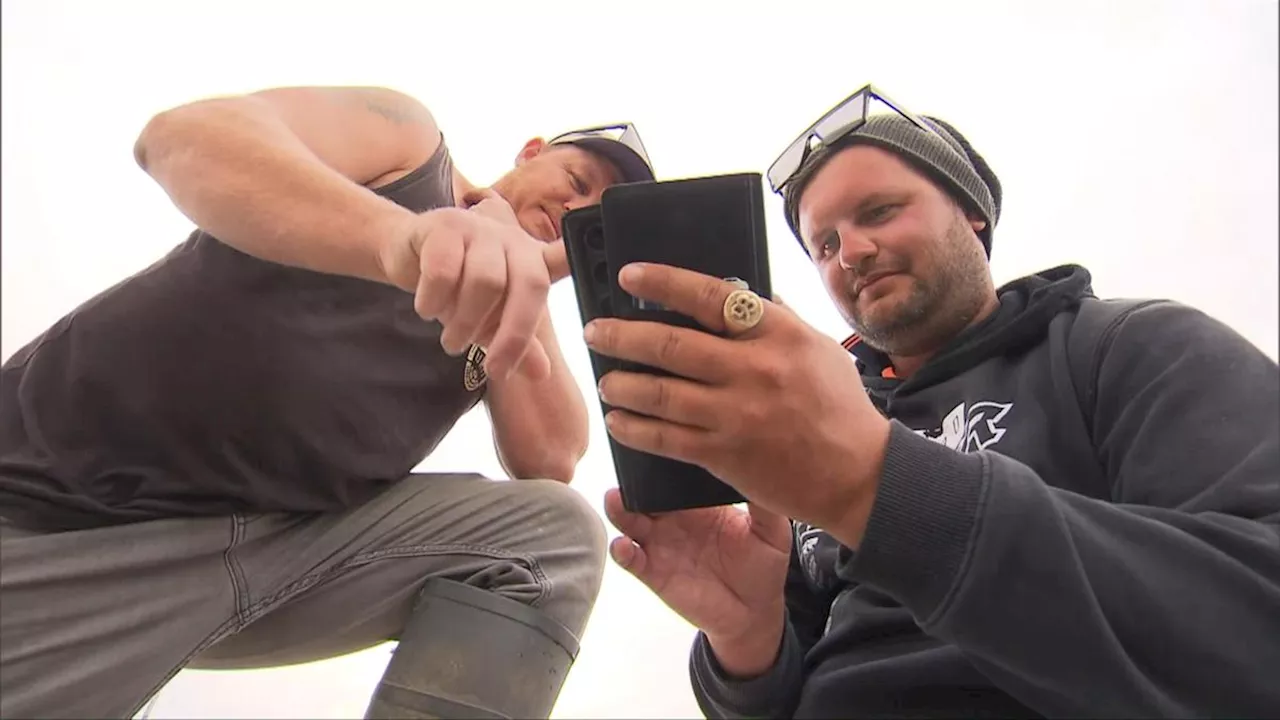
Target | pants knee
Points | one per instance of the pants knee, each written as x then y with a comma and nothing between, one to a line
573,521
572,535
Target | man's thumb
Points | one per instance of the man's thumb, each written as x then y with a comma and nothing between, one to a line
769,526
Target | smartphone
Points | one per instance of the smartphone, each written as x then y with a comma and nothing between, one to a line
713,225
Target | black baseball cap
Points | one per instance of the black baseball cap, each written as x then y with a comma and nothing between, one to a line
619,144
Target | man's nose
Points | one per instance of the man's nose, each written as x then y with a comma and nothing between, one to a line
855,248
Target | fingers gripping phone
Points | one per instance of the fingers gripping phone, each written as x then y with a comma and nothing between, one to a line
712,225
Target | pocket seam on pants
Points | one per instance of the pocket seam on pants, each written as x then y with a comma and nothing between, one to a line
238,584
233,623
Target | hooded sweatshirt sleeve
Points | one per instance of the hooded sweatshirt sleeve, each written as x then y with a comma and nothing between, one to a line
1162,601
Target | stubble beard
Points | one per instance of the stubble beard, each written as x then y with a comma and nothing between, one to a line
932,313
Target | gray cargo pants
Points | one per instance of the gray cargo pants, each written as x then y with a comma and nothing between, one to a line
93,622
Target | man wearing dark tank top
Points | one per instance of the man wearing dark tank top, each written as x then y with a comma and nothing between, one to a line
210,463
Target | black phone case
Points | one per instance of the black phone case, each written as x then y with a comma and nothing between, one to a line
583,231
713,225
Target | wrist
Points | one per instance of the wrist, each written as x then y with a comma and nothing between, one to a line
752,652
852,510
391,241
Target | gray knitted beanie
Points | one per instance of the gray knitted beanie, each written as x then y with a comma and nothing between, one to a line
947,159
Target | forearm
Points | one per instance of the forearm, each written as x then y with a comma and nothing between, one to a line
771,692
1077,606
239,173
539,426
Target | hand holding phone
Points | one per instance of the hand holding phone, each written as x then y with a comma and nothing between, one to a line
712,225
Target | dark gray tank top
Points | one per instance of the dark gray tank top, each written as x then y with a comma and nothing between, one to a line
214,382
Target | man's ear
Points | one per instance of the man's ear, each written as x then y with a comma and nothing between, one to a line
976,222
530,150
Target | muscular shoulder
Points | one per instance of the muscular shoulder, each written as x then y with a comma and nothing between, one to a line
374,135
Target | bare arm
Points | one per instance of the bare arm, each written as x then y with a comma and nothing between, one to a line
283,174
539,426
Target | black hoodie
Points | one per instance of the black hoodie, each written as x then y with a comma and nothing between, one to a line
1078,516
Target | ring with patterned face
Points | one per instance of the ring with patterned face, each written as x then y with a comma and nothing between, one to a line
743,310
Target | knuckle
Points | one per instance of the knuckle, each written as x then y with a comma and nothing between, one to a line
488,281
669,347
413,238
438,243
770,370
449,337
450,218
433,274
527,268
489,285
661,394
421,306
753,413
710,295
731,424
661,441
533,278
745,434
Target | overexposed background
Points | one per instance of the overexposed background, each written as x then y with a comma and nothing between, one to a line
1136,137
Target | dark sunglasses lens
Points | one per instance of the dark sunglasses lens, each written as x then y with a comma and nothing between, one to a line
842,119
785,167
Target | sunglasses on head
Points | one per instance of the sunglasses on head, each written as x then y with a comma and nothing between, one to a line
846,117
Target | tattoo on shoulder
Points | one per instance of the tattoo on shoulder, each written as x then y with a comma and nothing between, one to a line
394,108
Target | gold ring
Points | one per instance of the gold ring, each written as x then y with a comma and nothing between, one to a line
742,311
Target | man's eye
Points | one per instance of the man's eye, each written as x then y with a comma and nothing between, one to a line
579,186
829,247
879,214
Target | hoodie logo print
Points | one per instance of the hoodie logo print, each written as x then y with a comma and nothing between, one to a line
971,428
817,551
807,538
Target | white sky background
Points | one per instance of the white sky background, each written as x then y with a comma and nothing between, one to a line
1138,138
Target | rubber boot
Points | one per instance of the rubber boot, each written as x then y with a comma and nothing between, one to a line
469,653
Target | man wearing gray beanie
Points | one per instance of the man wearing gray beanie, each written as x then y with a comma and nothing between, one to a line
1021,502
